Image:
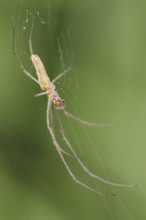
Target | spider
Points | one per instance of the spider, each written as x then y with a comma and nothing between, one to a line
48,88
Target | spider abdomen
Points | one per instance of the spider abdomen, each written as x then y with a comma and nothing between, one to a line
43,78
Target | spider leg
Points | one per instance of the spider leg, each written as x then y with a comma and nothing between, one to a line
51,125
66,153
57,146
83,122
19,61
41,94
82,164
61,74
30,36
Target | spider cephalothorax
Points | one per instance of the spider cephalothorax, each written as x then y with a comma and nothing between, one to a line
58,103
56,100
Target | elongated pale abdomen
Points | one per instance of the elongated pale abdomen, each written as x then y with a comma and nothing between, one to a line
43,78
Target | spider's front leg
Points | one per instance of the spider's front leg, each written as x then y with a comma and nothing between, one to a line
83,122
57,146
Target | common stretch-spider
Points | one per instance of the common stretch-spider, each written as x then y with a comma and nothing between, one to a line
48,88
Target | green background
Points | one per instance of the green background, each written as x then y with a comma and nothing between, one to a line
109,44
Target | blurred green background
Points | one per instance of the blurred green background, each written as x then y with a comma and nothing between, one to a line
109,44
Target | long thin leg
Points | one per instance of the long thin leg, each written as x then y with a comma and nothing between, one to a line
66,153
61,74
51,125
82,164
41,94
57,146
19,61
90,124
30,36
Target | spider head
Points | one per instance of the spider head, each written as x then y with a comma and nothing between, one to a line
59,103
56,100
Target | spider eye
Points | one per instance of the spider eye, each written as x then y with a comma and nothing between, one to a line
61,103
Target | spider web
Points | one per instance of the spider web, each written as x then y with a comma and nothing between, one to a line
71,87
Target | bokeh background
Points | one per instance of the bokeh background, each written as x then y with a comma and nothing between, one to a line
108,85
